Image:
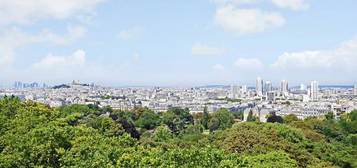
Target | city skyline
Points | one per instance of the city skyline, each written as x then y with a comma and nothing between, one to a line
266,85
159,43
173,83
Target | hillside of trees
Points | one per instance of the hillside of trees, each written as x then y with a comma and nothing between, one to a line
35,135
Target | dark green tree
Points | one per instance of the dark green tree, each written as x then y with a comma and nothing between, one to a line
148,120
276,159
205,118
349,122
162,134
290,118
84,110
274,118
329,116
250,117
221,120
177,119
238,115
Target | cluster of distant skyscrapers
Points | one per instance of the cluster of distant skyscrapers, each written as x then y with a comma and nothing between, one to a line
265,88
21,85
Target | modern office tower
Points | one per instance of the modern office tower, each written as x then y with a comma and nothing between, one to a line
259,86
243,91
355,89
234,91
268,86
34,85
314,90
26,85
18,85
303,87
244,88
284,87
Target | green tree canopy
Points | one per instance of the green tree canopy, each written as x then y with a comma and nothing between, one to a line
290,118
148,120
177,119
36,135
205,118
221,120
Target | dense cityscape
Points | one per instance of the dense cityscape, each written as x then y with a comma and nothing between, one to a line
263,99
178,84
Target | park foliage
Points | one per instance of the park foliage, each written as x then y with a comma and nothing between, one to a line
36,135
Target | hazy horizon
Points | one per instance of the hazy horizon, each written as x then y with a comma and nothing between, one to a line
249,84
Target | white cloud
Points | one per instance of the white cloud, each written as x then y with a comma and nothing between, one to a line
238,2
29,11
131,33
343,57
15,38
201,49
74,33
249,63
246,21
218,67
76,60
291,4
288,4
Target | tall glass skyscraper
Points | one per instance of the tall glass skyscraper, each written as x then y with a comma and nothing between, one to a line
259,86
314,90
268,86
284,86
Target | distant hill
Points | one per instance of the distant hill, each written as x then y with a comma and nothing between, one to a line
61,86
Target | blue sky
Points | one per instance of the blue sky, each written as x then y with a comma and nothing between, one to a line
178,43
